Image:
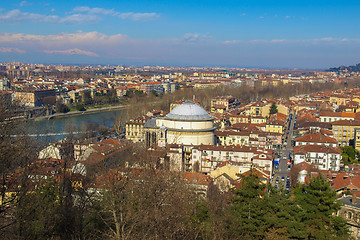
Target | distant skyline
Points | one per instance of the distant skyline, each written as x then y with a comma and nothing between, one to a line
235,33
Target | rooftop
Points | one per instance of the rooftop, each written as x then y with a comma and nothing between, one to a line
188,111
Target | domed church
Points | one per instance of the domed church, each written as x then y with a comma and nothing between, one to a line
187,124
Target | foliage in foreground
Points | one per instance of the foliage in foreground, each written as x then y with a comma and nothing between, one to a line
161,205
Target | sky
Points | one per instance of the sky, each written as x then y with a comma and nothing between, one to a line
229,33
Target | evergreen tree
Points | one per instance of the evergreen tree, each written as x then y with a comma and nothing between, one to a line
37,212
273,108
318,202
245,218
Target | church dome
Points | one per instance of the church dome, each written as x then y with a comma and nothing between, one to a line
188,111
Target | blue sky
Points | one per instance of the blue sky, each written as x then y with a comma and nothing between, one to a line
242,33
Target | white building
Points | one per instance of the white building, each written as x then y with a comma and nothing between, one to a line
324,157
187,124
335,116
206,158
316,139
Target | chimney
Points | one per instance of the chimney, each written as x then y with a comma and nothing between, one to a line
353,199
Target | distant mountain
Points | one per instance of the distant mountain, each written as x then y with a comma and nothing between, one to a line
355,68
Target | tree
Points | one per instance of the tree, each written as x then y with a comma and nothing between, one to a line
80,107
317,202
62,108
37,212
258,211
86,98
349,154
145,204
273,108
17,152
245,219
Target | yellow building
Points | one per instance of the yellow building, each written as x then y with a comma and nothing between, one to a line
357,139
274,126
280,107
234,119
263,109
135,129
344,130
231,138
74,96
257,109
339,100
258,120
232,169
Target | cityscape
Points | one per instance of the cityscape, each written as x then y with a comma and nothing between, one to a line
179,120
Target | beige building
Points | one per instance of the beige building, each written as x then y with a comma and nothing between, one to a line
263,109
350,211
35,98
234,119
223,103
232,138
135,129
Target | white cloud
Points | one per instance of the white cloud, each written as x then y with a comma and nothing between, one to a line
326,39
111,12
74,51
232,41
79,15
25,3
11,50
79,18
18,16
138,16
257,41
192,48
191,37
315,40
63,40
278,40
99,11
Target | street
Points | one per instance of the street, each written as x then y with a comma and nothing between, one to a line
283,172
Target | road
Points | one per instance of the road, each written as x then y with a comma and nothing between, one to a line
285,152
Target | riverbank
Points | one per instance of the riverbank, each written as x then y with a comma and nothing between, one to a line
77,113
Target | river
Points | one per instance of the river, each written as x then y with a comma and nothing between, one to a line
58,128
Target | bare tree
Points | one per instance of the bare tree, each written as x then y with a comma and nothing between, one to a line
17,151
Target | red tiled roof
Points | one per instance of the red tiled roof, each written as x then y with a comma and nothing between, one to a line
303,149
330,114
196,178
226,148
229,132
302,166
345,180
315,138
275,122
347,123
